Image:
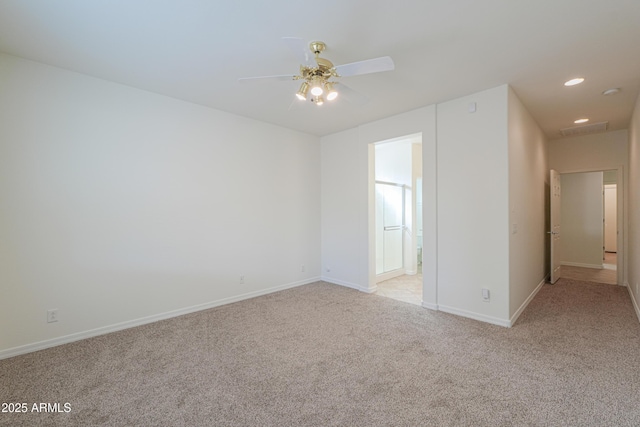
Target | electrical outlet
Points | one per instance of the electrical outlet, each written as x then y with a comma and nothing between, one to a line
52,315
303,269
242,279
327,269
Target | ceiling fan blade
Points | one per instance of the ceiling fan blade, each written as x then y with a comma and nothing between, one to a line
282,77
375,65
301,50
351,95
296,104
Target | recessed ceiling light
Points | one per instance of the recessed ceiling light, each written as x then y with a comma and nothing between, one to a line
581,121
574,82
611,91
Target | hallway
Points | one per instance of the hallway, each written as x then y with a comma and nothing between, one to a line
607,275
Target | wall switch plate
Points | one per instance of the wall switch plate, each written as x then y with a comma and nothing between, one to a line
486,296
303,269
242,279
52,315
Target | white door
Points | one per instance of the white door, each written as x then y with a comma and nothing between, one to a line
610,218
555,204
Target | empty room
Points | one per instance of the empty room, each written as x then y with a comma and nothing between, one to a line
337,214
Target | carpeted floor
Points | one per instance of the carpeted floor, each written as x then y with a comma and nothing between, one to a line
324,355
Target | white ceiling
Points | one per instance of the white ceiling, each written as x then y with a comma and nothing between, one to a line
196,50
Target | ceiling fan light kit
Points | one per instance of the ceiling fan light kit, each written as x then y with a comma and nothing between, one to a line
317,77
317,72
302,93
331,91
316,86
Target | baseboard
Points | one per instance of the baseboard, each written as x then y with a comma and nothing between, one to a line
527,301
41,345
476,316
578,264
390,275
636,306
355,286
430,306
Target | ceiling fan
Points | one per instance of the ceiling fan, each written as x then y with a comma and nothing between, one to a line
317,73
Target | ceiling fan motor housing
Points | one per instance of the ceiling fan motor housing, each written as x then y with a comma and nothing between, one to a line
317,47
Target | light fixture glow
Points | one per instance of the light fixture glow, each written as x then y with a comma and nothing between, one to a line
581,121
574,82
316,90
318,100
316,83
612,91
302,93
331,91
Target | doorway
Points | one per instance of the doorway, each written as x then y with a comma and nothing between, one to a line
398,205
591,218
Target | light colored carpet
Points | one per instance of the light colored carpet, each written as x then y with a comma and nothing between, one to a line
324,355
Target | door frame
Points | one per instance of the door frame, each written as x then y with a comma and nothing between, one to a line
621,207
426,159
555,225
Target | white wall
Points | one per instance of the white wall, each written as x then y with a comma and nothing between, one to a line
120,206
582,219
598,151
528,206
344,215
473,205
347,190
634,207
610,177
393,161
416,208
467,199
